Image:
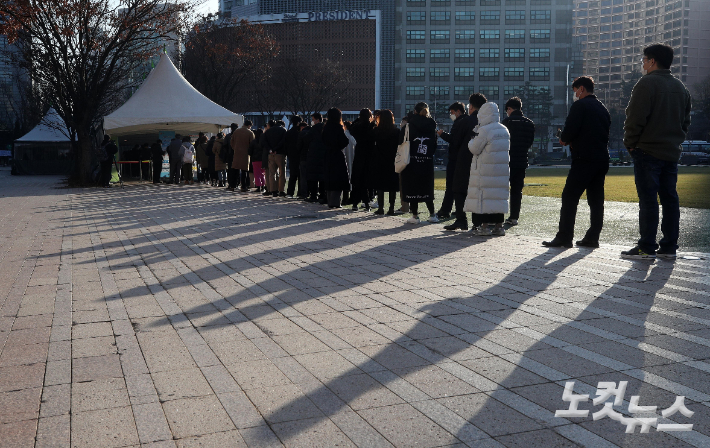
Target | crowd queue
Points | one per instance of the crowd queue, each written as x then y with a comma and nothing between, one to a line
335,162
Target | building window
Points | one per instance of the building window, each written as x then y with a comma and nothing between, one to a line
439,73
539,55
439,55
539,36
461,91
515,55
490,92
465,36
490,2
515,17
440,17
490,17
514,74
464,73
510,91
415,74
489,55
490,36
489,73
416,17
415,92
415,55
416,36
440,2
439,36
465,17
539,16
539,73
515,36
464,54
515,2
411,3
439,92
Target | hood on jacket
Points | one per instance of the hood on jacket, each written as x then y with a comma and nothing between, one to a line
488,113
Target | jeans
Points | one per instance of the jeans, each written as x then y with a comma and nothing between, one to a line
583,175
656,179
517,181
448,202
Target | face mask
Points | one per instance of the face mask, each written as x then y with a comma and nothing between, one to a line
575,97
453,117
644,72
313,122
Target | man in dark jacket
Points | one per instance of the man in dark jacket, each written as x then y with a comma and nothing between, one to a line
109,150
455,139
657,121
291,147
522,135
156,154
174,158
232,174
274,139
586,132
316,160
302,148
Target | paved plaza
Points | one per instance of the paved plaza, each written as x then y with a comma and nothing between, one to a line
184,316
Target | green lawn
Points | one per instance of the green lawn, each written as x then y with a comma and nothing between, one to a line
693,184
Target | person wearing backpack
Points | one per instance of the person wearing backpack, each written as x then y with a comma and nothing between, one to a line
188,157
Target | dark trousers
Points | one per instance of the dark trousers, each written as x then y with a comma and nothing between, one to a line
414,207
294,174
334,198
236,178
175,168
106,172
381,199
157,169
448,202
656,179
316,189
517,181
459,200
302,181
584,175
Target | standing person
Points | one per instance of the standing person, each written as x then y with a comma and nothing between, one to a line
291,148
487,197
455,139
255,154
220,163
232,175
462,171
188,158
335,141
275,143
522,135
174,158
202,158
107,152
265,157
211,173
316,160
657,121
302,145
360,130
418,176
404,205
349,155
383,177
156,155
241,139
586,132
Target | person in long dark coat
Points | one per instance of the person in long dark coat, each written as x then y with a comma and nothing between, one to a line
157,153
463,163
360,130
418,176
335,141
315,161
210,162
383,177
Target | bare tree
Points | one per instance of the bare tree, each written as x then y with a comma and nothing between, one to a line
83,54
310,86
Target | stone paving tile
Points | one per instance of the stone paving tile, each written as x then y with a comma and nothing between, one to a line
189,417
403,425
109,428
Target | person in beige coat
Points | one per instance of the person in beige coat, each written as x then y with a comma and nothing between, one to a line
241,139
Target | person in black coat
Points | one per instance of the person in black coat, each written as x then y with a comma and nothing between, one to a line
109,150
522,135
464,158
455,139
156,155
291,147
418,176
302,149
360,130
335,141
586,131
211,165
316,160
383,177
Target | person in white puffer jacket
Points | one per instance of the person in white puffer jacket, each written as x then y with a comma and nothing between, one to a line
487,197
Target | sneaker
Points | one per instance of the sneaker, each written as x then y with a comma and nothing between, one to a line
666,254
413,220
433,218
511,222
498,231
374,204
637,254
483,231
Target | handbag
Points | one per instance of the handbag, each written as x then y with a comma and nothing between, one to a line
401,160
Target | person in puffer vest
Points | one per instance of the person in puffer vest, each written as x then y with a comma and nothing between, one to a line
487,197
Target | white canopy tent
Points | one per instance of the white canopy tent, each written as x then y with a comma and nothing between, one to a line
50,129
167,102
